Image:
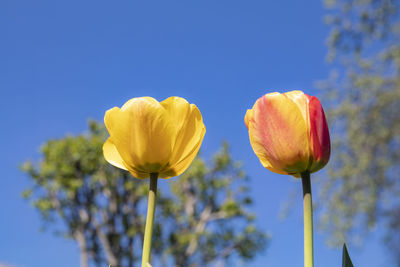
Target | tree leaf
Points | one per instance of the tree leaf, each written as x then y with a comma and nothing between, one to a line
346,261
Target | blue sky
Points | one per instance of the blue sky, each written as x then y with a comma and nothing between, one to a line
63,62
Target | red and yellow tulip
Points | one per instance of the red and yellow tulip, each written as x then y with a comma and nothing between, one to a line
289,133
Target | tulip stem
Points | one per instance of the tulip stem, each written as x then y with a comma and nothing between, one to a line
148,232
308,220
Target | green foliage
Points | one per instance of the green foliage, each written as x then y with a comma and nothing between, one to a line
95,201
208,214
200,220
363,111
346,261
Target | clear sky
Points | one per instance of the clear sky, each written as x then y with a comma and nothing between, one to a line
62,62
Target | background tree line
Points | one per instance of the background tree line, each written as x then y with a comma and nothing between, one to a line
202,216
363,105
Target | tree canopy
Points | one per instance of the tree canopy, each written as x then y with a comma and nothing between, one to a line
363,100
202,218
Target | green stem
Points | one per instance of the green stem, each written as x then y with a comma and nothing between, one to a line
148,232
308,220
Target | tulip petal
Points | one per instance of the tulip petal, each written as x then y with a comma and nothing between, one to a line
188,136
300,99
278,134
138,174
190,132
319,135
248,117
178,168
178,109
143,134
111,155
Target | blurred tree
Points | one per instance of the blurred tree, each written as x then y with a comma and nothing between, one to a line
207,214
99,204
103,208
363,107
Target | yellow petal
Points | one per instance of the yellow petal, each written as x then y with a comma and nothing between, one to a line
113,157
138,174
278,134
178,109
300,99
184,163
189,126
248,117
111,154
143,134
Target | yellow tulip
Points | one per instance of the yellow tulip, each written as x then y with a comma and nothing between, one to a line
147,136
